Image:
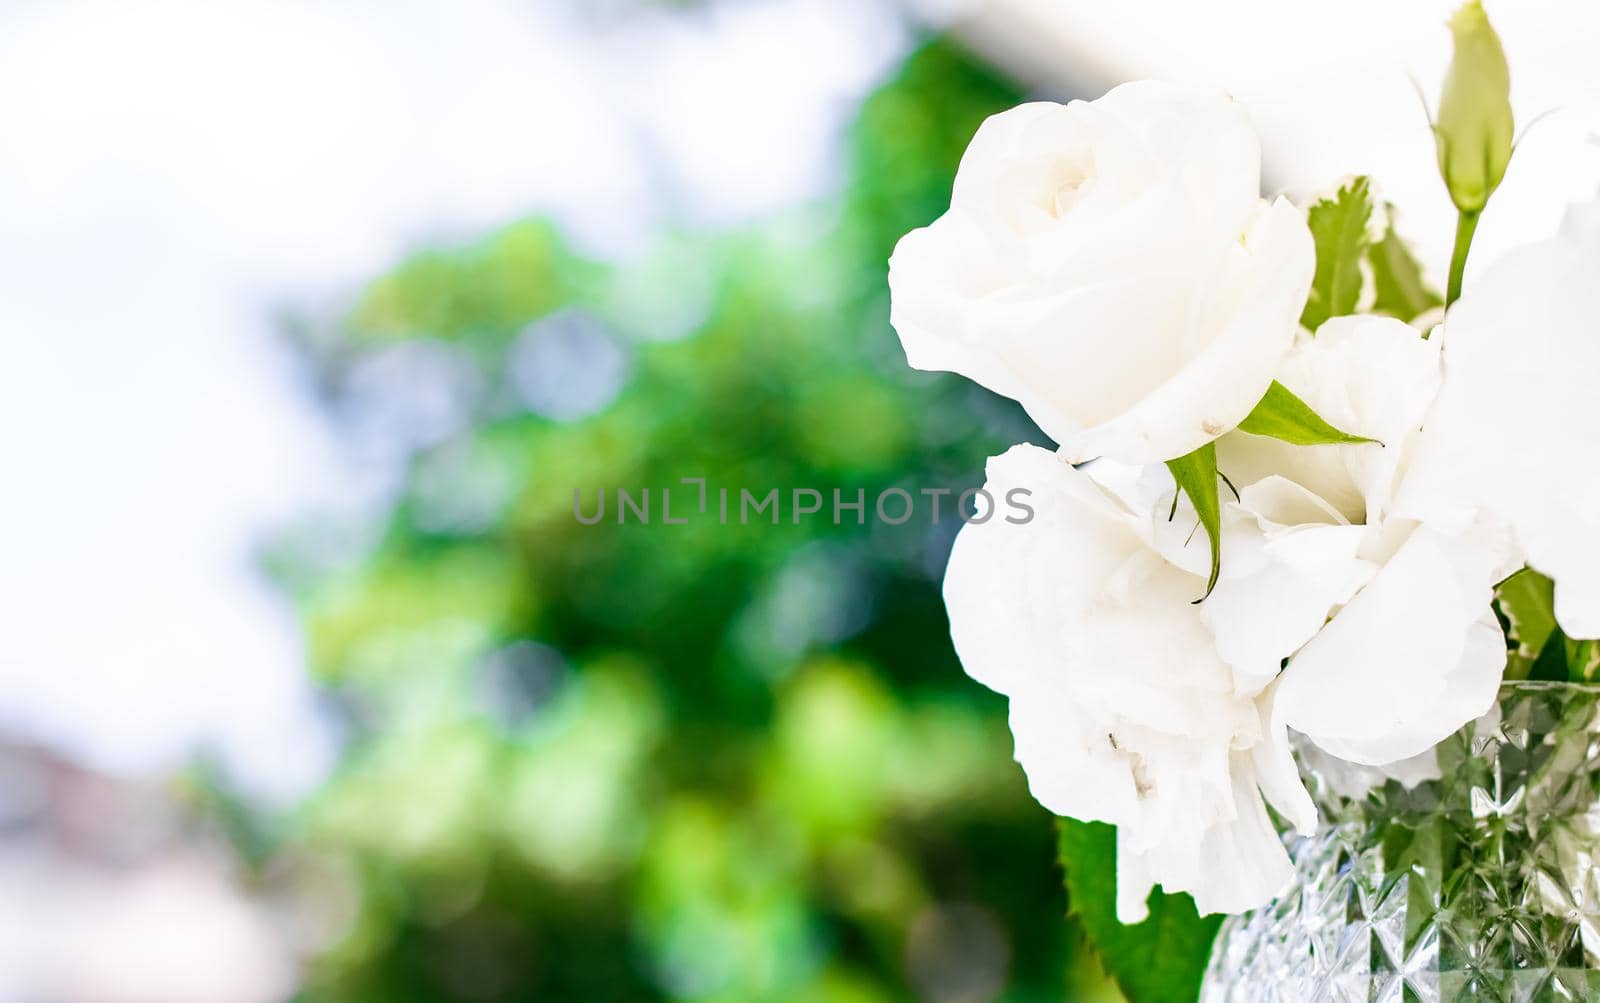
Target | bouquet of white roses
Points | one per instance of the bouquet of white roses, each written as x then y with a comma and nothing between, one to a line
1297,492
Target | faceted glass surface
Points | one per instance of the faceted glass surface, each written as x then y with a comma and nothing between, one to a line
1481,885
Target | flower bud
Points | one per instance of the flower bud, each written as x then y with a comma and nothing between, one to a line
1474,130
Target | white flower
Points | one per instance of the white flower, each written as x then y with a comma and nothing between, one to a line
1416,652
1516,431
1132,705
1110,265
1121,709
1413,650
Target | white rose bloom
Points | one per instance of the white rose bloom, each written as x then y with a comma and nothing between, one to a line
1516,431
1131,705
1111,266
1121,709
1416,652
1325,530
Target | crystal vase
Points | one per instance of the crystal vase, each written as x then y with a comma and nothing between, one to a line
1480,883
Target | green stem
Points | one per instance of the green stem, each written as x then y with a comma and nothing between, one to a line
1466,225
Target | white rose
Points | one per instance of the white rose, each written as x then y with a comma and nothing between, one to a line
1414,652
1516,431
1121,709
1110,265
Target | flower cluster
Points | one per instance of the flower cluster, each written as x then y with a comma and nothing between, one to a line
1111,266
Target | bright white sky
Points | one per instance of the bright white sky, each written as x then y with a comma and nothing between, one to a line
171,171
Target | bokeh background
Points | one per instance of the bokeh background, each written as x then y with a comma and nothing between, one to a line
312,318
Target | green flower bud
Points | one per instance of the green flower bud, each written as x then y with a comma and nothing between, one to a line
1474,130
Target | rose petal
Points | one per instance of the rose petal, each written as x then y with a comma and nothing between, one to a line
1415,655
1516,429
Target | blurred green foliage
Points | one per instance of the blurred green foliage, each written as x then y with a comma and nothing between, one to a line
644,761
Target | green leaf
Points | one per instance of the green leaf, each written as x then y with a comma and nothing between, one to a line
1339,228
1540,650
1398,287
1583,660
1551,665
1196,476
1282,415
1527,601
1161,960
